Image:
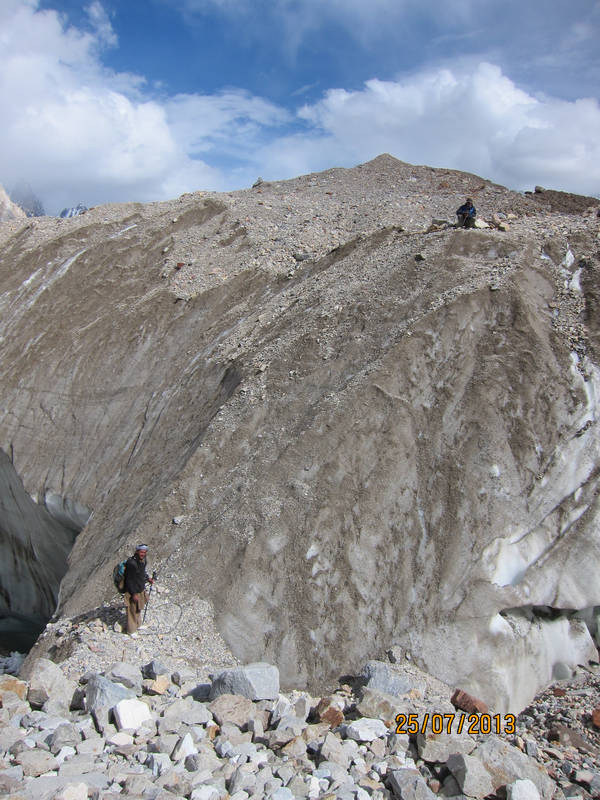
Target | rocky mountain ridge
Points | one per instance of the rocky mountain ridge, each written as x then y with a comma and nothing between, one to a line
316,400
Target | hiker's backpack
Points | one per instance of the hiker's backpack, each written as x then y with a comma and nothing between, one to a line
119,577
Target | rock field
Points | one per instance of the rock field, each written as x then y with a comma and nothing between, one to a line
142,729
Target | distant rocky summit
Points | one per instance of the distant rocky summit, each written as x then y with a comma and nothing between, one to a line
340,423
74,211
24,196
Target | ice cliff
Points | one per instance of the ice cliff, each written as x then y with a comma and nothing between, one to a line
370,429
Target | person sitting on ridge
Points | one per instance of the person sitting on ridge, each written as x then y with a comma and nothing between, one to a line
136,579
466,215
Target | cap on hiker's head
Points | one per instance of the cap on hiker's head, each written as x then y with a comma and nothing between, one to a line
469,200
142,547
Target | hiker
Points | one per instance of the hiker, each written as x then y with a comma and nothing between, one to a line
466,214
135,593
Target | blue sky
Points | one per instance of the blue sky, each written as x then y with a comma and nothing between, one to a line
115,100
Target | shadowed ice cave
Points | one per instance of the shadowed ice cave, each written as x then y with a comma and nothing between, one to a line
35,542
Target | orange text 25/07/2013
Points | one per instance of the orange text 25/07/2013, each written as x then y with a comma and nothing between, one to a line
456,723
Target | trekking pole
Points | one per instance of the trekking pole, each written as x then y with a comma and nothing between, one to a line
149,593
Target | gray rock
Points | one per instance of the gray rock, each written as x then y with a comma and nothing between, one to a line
282,793
78,765
202,761
439,747
154,669
242,780
507,764
126,674
100,692
471,775
185,711
36,762
158,763
184,675
258,681
409,784
48,687
45,787
73,791
93,746
64,735
379,675
332,750
376,704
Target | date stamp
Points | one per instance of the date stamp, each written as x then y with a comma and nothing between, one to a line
455,723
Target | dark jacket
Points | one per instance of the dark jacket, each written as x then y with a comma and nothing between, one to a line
468,210
136,576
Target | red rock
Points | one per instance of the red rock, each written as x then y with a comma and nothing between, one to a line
559,692
596,717
468,703
329,711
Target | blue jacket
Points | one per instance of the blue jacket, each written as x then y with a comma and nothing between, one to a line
465,209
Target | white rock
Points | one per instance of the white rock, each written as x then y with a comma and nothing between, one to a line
74,791
120,739
185,747
131,714
522,790
366,730
205,792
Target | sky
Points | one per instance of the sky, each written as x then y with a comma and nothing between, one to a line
140,100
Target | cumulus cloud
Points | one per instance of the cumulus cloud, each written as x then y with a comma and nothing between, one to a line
77,131
475,120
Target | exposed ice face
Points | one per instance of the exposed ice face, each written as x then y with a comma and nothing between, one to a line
312,551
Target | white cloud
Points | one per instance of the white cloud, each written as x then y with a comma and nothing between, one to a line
475,120
79,132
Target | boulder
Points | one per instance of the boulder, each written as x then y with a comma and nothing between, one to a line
332,750
131,714
126,674
158,685
154,669
331,710
438,747
522,790
8,683
36,762
73,791
468,703
100,692
232,708
258,681
63,736
472,777
185,747
366,730
507,764
409,784
379,675
379,705
48,687
158,763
